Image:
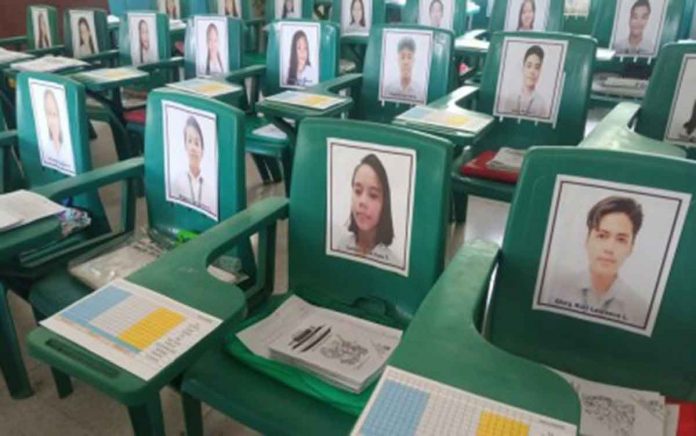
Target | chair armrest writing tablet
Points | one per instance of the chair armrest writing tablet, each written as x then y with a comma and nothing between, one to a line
56,49
337,84
174,62
8,138
246,72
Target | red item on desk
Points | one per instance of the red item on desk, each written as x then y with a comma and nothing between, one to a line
478,167
687,418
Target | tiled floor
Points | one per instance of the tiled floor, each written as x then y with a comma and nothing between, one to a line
88,412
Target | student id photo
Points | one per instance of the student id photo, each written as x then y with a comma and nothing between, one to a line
299,54
288,9
681,125
230,8
530,81
356,17
42,28
212,55
608,251
370,196
405,69
638,27
142,30
191,158
436,13
526,15
84,33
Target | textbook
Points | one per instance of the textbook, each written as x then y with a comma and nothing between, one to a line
206,87
471,44
464,120
111,74
507,159
306,99
343,350
8,56
503,166
22,207
48,64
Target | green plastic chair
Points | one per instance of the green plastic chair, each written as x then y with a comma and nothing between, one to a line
661,361
480,20
265,149
243,9
11,177
688,30
379,295
98,48
459,23
568,130
170,220
23,269
352,45
628,66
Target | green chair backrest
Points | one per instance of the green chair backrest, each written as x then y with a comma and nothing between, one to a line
42,26
578,20
150,26
605,23
506,15
686,29
198,7
121,7
243,9
396,273
668,111
574,80
635,337
197,59
282,36
52,132
341,15
480,20
285,9
174,9
86,32
444,14
177,124
381,95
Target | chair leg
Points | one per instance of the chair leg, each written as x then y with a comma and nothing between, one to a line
11,360
287,171
147,419
274,169
261,166
459,202
62,380
193,416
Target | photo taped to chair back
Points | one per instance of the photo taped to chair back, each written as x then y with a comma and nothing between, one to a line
288,9
681,125
436,13
608,251
142,31
191,158
299,54
356,17
230,8
405,70
370,194
84,33
531,78
42,27
170,7
212,51
526,15
50,108
637,27
577,8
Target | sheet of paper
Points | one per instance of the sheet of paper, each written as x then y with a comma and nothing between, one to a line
48,64
175,24
8,220
26,207
111,74
408,404
7,56
270,131
207,87
471,44
306,99
112,19
613,410
671,419
467,121
605,54
133,327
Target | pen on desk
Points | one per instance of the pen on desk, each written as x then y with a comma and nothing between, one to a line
319,339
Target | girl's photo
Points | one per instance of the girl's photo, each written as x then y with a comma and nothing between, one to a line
299,55
288,9
681,125
142,29
530,81
638,27
405,70
84,35
370,203
42,30
230,8
436,13
356,17
212,57
526,15
608,251
170,7
50,109
191,158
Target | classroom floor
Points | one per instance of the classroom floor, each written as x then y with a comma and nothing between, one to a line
88,412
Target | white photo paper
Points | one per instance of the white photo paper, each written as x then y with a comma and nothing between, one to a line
356,17
638,27
84,33
608,251
288,9
170,7
370,203
577,8
436,13
50,108
142,30
526,15
42,28
299,55
191,158
212,52
530,81
230,8
681,125
405,69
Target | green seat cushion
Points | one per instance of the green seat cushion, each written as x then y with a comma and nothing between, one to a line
56,291
259,144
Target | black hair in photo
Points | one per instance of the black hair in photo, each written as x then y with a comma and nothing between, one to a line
616,204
